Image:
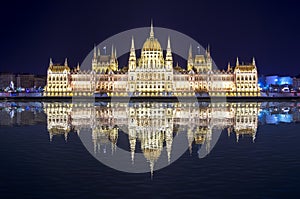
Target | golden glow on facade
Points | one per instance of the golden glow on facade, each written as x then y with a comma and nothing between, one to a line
152,75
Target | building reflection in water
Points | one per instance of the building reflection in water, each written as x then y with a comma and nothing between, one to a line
149,126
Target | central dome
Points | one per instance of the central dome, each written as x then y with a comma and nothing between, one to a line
152,44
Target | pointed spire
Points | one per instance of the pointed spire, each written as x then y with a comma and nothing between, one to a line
132,57
237,61
115,53
169,43
190,52
151,30
50,62
78,67
208,51
169,53
228,67
95,51
66,62
132,43
112,51
98,52
253,62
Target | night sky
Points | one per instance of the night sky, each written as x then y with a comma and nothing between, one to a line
33,31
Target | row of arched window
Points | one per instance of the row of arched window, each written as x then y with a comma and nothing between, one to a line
246,78
57,78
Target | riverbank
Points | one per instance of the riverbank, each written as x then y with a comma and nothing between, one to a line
159,99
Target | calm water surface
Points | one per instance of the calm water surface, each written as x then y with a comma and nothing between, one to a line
251,150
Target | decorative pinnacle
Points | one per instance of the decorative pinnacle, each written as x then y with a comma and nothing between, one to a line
190,52
132,43
50,63
169,43
112,51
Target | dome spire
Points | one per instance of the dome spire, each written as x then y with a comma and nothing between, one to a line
66,62
151,30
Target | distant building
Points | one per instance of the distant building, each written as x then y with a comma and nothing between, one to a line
22,80
40,81
276,80
5,79
296,83
276,83
271,80
25,80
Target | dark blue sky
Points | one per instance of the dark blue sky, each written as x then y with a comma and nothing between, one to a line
33,31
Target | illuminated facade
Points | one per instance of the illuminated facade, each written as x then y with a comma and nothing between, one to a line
246,78
153,74
104,63
58,80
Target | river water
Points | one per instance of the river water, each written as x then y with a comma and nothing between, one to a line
150,150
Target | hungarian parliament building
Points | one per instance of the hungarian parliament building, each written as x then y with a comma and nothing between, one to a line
153,74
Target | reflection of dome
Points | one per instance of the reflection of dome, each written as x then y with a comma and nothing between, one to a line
152,154
151,44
